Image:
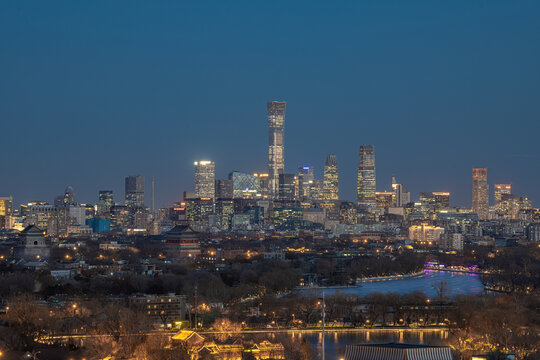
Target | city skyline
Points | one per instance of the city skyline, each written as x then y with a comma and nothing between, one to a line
281,185
269,180
206,180
470,80
138,188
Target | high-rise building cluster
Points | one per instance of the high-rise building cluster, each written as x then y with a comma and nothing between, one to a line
277,200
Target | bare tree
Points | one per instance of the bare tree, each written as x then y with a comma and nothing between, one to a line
226,328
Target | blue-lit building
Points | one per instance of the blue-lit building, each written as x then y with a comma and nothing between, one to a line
99,225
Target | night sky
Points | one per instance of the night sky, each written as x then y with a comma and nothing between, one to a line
92,91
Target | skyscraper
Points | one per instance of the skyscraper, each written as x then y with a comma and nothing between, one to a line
264,182
305,181
134,192
6,205
401,196
287,187
331,180
499,190
366,178
244,185
480,193
276,126
205,173
69,196
224,189
105,201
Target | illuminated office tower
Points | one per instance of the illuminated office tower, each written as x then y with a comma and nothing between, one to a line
134,192
401,196
276,126
105,201
225,211
366,177
499,190
287,187
264,182
6,208
510,205
120,217
384,198
244,185
438,199
6,205
305,181
69,197
480,193
331,179
224,189
316,192
205,174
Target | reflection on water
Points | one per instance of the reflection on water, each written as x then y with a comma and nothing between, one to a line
335,341
459,283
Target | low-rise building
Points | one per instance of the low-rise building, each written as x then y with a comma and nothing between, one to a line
451,242
162,309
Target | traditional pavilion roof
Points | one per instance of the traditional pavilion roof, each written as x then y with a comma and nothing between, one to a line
32,230
188,336
397,351
180,229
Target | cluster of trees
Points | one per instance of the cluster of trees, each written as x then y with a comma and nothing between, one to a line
238,281
369,266
514,270
335,271
507,323
305,310
478,324
109,329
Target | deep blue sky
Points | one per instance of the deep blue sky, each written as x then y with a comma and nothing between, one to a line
91,91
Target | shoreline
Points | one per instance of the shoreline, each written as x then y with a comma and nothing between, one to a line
359,281
331,330
392,277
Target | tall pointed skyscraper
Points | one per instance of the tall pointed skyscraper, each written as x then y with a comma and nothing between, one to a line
331,179
366,178
480,193
276,127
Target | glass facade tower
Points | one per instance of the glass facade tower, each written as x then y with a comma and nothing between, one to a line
366,178
305,181
480,193
276,126
205,174
499,191
331,180
134,192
